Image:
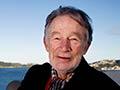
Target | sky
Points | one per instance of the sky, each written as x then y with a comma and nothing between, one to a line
22,26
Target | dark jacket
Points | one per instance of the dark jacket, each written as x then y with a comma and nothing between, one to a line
85,77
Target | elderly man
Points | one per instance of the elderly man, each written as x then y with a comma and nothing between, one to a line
67,37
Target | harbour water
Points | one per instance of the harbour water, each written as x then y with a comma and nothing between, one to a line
114,74
9,74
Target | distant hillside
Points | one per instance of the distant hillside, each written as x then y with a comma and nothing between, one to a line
106,65
99,65
13,65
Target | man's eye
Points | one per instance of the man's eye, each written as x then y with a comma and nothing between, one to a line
75,39
56,38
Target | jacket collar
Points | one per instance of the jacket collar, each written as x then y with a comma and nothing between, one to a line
83,66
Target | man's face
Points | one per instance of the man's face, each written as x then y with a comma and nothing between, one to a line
66,42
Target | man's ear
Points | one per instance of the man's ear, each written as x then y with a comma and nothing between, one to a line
86,47
45,41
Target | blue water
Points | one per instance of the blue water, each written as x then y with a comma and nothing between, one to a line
114,74
9,74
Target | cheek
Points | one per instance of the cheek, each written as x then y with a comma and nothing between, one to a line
77,49
53,47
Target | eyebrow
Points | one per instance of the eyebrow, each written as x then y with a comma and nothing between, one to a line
73,33
53,33
80,35
77,34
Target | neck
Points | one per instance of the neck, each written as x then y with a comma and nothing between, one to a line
66,76
62,75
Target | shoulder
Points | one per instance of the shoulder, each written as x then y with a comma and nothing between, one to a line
39,68
99,74
103,78
35,74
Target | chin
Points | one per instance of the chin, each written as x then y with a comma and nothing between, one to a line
62,67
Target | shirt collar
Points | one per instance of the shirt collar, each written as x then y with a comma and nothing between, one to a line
55,75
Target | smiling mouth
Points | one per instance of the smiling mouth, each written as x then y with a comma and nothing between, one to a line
63,57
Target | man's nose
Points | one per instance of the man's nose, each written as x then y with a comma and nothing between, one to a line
65,45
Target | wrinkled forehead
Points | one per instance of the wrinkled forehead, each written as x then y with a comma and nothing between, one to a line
65,21
66,24
77,18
